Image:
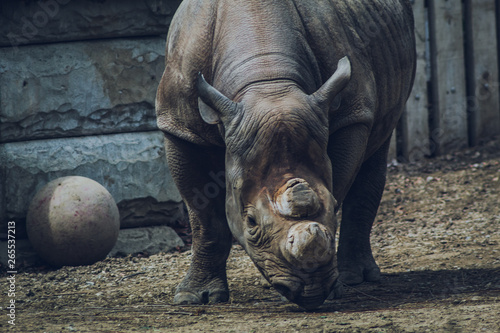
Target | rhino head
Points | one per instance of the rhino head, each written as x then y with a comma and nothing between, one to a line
279,203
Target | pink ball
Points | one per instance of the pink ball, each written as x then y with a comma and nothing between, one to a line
73,221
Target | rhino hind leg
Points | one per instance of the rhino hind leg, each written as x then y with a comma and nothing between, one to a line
198,173
355,259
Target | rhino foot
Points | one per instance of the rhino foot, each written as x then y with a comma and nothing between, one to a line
356,273
353,275
205,297
216,291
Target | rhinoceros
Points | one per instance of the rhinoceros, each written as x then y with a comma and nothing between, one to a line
276,114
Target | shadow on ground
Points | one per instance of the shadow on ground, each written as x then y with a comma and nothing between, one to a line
414,288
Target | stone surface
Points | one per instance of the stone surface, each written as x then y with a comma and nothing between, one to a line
68,87
29,22
150,240
145,212
131,166
80,88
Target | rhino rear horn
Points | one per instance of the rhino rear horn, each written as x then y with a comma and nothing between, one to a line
297,199
335,84
213,105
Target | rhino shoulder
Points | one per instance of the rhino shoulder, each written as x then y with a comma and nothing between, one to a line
189,41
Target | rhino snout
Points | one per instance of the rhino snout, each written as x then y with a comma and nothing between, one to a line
297,199
306,296
308,245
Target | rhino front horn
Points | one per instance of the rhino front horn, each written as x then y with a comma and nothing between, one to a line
308,245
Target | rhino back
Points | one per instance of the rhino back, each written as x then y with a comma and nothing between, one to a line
378,37
234,43
237,43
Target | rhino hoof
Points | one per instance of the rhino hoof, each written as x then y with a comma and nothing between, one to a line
220,296
352,278
373,275
187,297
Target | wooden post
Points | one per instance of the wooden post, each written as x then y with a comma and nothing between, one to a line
483,108
448,97
415,119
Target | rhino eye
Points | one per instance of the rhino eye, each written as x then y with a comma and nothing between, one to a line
253,232
251,222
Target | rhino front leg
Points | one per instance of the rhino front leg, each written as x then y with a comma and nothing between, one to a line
355,259
198,173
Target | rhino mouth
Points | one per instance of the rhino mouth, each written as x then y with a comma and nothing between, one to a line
290,289
307,296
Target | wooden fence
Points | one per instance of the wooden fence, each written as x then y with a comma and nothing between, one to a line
455,99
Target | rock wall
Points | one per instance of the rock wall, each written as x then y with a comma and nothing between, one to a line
79,88
78,83
43,21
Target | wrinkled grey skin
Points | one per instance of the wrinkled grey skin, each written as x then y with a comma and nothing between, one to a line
296,107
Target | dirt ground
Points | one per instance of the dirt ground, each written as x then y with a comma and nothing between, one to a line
436,239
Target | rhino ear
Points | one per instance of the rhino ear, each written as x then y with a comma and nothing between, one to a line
213,105
209,115
338,81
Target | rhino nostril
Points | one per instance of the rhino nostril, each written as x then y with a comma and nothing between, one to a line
295,181
282,289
